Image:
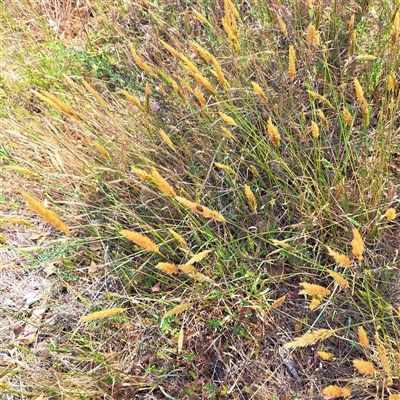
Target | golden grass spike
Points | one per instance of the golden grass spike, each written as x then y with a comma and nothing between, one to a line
101,149
200,97
326,356
229,120
184,85
314,130
352,34
131,99
392,82
142,175
274,135
177,310
49,216
203,53
162,184
250,198
187,269
394,34
259,92
315,302
95,94
313,290
179,239
312,37
197,276
292,62
384,359
52,101
362,337
348,118
278,302
316,95
201,18
168,268
225,168
390,214
227,133
205,82
282,25
198,257
22,170
17,221
219,73
145,67
359,90
202,210
323,119
141,240
364,367
231,7
310,338
339,279
357,245
333,391
101,314
341,259
367,57
166,139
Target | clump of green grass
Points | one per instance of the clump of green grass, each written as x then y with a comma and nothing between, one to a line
249,160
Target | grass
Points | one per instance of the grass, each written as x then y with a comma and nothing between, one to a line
226,201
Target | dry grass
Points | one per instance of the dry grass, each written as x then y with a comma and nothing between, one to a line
256,147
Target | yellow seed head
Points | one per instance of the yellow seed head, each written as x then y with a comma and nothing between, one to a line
323,119
162,184
390,214
384,359
364,367
142,175
200,96
259,92
168,268
292,62
227,133
313,290
359,90
49,216
348,118
333,391
282,25
250,198
316,95
274,135
225,168
102,314
357,245
132,99
205,82
339,279
392,82
314,129
341,259
101,149
166,139
179,239
278,302
362,337
312,36
395,28
201,18
326,356
94,93
310,338
176,310
229,120
141,240
145,67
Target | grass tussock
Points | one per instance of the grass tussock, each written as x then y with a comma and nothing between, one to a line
256,146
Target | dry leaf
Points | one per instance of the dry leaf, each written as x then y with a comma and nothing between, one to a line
102,314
